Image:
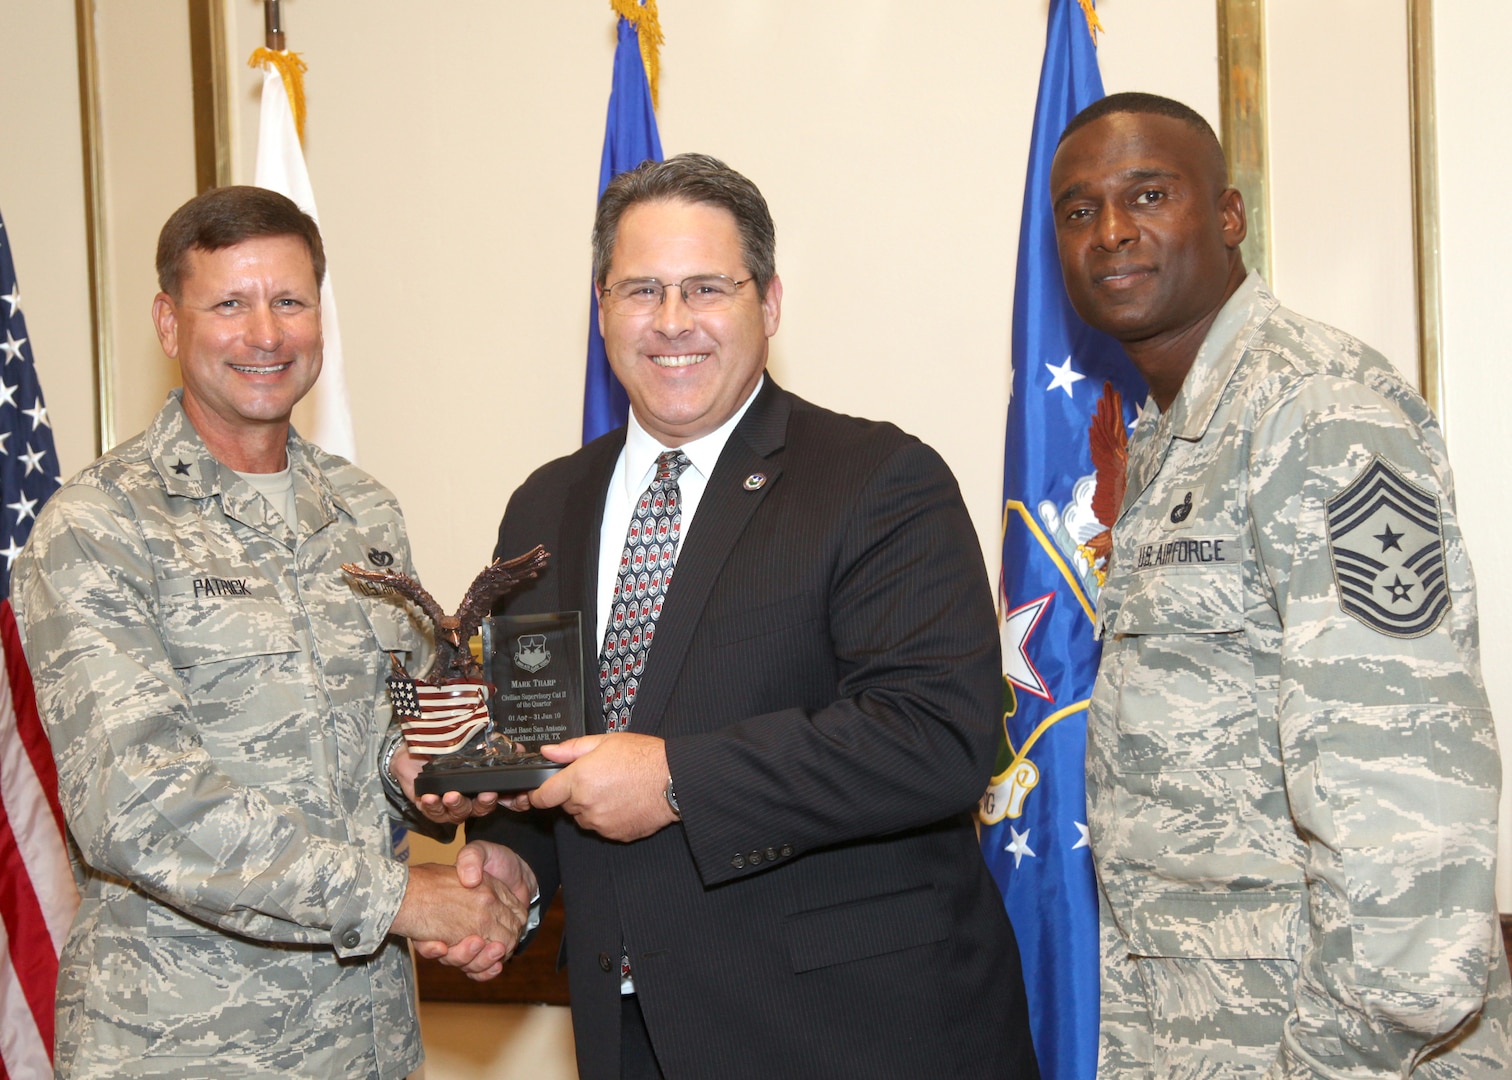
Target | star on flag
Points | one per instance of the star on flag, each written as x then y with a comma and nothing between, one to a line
1016,630
32,459
11,346
1018,847
1063,377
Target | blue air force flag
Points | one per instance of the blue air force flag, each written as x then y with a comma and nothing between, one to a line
1072,402
629,138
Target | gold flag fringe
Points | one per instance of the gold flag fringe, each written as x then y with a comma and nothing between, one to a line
642,16
291,68
1094,25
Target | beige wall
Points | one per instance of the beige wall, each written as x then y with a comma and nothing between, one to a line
1475,155
42,198
147,128
1339,123
454,149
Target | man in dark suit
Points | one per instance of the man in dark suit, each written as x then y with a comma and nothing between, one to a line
765,841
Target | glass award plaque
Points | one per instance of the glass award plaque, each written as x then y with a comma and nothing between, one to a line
533,668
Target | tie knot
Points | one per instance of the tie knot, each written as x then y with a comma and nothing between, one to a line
670,465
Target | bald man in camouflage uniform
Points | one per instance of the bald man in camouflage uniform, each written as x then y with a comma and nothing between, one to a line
214,691
1292,772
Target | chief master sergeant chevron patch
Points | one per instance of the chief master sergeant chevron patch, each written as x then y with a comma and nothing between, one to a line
1386,544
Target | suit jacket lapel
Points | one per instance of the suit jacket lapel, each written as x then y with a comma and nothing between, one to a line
582,522
724,511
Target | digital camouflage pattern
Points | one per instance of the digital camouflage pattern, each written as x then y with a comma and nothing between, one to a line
213,687
1293,786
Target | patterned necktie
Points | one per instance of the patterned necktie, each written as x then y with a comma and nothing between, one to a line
641,588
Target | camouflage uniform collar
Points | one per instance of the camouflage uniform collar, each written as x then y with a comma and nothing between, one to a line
179,454
189,469
319,502
1241,315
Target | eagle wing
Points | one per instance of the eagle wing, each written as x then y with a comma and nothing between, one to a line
497,578
404,585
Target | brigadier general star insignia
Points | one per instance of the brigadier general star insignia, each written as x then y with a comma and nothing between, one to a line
1386,543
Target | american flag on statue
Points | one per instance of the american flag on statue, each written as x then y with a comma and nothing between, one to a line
438,719
37,894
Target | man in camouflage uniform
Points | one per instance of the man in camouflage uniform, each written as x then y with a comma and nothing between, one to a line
214,691
1292,773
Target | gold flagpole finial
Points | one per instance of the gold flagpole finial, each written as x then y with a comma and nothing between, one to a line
1094,25
291,68
642,16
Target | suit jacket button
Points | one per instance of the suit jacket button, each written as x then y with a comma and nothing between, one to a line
605,964
351,939
787,850
771,854
754,858
738,862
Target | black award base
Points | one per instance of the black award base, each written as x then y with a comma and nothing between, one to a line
473,777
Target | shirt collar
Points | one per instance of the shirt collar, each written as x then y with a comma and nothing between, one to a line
642,448
189,469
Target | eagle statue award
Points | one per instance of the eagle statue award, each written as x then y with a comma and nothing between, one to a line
480,719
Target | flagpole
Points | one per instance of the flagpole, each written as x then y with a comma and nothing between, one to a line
273,34
324,416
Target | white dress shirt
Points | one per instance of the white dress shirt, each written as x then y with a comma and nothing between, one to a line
632,475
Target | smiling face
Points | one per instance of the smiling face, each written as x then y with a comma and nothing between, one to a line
1147,232
246,333
686,372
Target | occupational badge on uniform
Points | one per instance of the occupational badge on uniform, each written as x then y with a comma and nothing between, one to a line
1180,503
1386,544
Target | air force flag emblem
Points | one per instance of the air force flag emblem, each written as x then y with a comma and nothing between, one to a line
1386,543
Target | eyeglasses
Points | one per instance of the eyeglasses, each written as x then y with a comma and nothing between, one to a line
640,296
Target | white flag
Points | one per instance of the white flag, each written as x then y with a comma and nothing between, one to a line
324,416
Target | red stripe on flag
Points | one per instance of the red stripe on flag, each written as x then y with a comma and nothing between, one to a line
32,955
28,723
32,959
450,715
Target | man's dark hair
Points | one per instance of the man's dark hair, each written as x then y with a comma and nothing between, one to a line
695,178
224,217
1133,101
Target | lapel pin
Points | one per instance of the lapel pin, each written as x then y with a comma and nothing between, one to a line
755,481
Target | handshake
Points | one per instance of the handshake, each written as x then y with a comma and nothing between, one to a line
614,785
472,916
